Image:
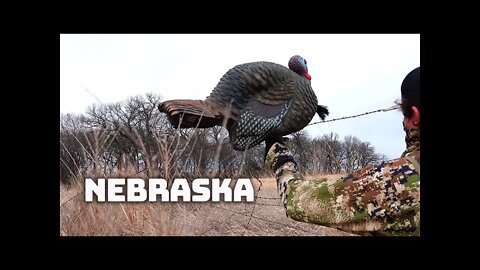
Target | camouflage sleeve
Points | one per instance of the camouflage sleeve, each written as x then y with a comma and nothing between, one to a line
381,200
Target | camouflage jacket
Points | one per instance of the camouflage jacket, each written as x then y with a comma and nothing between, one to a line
375,200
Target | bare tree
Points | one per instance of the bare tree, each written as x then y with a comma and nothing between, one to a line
299,143
134,135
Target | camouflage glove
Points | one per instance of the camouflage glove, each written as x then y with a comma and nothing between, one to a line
278,155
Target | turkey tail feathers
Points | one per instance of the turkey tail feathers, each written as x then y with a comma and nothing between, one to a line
187,113
322,111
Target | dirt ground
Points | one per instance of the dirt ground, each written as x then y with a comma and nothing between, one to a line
264,217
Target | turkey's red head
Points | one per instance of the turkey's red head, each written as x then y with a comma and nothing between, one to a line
299,65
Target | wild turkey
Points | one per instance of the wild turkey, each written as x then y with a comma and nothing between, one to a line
259,101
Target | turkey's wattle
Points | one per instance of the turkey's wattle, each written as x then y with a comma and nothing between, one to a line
259,101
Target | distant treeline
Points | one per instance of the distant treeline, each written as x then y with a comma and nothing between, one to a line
132,136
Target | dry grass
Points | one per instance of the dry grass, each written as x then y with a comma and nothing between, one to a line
264,217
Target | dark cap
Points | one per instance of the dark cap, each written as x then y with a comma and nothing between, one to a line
411,87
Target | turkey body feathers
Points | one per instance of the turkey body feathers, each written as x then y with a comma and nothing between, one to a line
261,101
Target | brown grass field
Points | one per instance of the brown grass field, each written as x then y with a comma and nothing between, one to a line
264,217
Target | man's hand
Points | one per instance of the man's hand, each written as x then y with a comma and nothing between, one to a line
279,155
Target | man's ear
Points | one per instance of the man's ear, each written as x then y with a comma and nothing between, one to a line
416,116
414,121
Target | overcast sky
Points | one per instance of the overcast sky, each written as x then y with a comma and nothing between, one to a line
351,73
